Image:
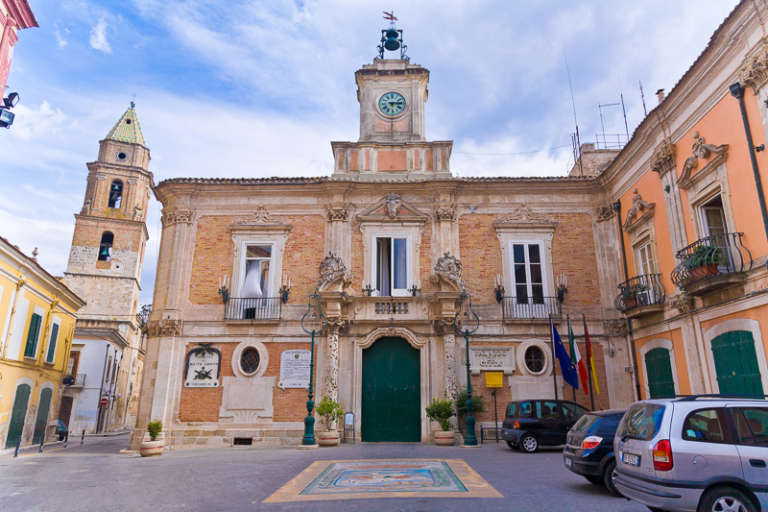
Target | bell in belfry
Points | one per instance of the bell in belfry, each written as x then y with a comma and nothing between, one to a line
392,42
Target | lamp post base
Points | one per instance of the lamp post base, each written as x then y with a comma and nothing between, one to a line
470,445
308,446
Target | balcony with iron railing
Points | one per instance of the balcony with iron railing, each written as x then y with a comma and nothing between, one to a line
78,381
641,295
712,262
527,308
253,308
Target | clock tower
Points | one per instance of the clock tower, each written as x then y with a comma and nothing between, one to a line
392,94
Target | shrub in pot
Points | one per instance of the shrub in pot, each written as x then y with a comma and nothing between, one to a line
152,447
461,407
441,411
330,411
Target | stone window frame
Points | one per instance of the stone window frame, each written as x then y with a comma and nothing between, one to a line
705,185
520,356
263,359
243,239
55,320
639,238
542,236
735,324
412,232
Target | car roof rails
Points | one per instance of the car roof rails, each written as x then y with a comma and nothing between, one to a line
689,398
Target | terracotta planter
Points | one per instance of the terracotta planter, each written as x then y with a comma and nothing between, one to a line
445,437
150,448
630,302
328,438
712,269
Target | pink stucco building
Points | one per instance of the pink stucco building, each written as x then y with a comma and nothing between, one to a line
14,15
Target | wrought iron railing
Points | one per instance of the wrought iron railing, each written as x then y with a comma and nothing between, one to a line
530,307
642,290
709,256
253,308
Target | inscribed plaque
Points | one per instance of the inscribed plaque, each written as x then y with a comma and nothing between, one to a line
489,359
294,369
203,366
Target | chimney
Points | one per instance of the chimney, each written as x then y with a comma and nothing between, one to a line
660,95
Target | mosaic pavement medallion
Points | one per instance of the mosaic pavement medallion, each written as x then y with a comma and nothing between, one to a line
397,478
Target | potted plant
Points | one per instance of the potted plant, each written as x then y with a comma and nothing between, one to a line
461,406
712,260
152,447
441,411
628,297
330,411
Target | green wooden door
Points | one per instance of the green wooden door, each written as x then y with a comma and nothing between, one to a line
736,364
659,373
43,409
391,400
16,426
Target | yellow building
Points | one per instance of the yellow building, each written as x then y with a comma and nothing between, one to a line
37,321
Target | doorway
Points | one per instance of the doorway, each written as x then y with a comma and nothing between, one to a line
736,363
391,403
20,403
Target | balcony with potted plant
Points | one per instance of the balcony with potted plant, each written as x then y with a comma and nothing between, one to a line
641,295
712,262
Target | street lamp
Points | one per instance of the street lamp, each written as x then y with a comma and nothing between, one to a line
313,321
467,322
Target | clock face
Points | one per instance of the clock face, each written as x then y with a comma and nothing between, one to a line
391,103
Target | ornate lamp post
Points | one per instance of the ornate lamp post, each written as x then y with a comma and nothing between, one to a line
313,321
467,322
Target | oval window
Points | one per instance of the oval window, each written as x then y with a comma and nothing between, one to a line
534,359
249,360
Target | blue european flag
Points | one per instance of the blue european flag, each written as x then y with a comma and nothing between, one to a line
566,365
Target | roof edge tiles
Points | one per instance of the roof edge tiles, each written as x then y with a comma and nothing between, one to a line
127,129
325,179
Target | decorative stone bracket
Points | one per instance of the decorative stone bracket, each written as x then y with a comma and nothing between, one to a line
164,327
639,212
699,149
663,158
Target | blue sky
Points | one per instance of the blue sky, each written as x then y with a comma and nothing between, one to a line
253,88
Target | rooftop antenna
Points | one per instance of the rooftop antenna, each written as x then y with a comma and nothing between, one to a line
575,121
624,111
392,37
642,97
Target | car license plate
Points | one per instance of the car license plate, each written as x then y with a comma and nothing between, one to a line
631,459
568,462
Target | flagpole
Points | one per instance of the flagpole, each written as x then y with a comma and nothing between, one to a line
573,389
589,362
552,348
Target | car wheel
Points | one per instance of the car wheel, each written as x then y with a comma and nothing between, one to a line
597,480
528,443
656,509
511,445
726,499
608,478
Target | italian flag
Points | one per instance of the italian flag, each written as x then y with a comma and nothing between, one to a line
590,357
577,360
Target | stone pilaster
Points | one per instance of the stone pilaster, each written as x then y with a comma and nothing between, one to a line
449,346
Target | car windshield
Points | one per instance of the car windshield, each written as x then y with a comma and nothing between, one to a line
641,421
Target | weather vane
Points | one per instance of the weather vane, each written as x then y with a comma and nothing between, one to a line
392,37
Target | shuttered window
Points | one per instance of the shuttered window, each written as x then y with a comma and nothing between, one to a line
52,343
32,336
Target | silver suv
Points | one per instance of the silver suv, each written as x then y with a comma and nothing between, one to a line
706,453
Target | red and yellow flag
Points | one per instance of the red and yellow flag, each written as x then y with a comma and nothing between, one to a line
590,358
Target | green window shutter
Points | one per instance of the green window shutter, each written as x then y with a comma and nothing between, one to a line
52,343
34,331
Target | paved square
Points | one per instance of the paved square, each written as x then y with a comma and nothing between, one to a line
397,478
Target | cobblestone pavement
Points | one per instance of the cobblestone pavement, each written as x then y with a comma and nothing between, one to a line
96,477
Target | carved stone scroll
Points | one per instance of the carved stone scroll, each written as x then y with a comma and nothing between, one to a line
699,149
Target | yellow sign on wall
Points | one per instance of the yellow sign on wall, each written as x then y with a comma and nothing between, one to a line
494,379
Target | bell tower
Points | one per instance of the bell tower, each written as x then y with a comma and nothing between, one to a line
104,268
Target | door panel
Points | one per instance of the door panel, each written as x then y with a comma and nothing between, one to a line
65,411
736,364
752,431
391,401
658,369
16,426
42,415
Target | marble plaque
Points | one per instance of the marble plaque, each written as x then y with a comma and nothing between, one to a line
203,365
492,359
294,369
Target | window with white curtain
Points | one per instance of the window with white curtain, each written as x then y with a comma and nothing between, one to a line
391,266
257,266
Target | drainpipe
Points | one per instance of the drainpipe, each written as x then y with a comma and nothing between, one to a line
101,390
737,91
617,209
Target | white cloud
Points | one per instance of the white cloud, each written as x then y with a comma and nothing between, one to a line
61,41
35,122
99,37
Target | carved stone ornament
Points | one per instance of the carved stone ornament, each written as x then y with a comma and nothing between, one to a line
699,149
449,269
178,217
333,269
604,213
392,202
682,302
638,209
260,216
616,327
754,71
338,214
523,215
445,213
164,327
663,158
